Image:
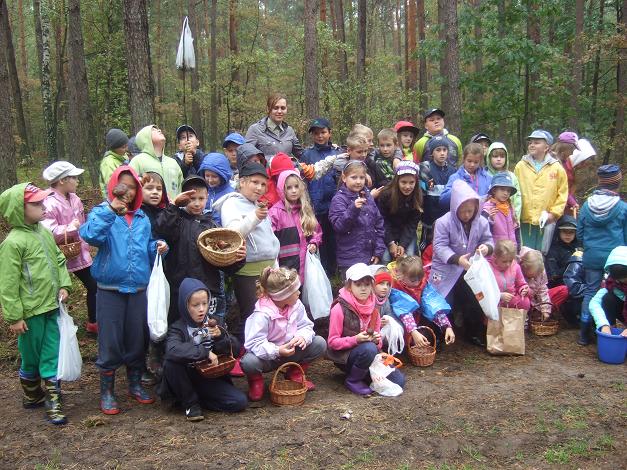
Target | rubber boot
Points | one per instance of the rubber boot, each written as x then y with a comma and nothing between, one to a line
34,396
355,381
91,328
293,373
155,358
53,402
108,402
135,388
255,387
584,334
237,370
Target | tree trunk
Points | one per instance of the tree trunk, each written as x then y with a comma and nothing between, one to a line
59,124
478,35
213,118
597,66
20,121
620,138
454,116
397,35
362,14
311,58
341,32
531,73
41,14
501,35
80,124
577,57
22,39
159,64
444,72
8,165
412,72
233,46
422,62
141,94
196,111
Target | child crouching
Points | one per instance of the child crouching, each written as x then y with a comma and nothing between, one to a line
354,331
509,276
190,340
278,331
608,305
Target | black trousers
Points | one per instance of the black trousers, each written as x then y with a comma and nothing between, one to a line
328,247
462,299
245,288
84,275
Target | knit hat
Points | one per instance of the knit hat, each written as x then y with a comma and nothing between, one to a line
407,167
439,140
115,139
609,177
503,180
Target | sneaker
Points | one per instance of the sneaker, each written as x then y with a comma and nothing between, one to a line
194,413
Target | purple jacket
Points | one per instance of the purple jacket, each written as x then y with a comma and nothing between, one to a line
502,227
289,230
450,239
358,232
60,211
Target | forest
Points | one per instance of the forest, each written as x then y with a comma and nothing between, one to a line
70,70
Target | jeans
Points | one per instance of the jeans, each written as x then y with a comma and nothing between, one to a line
251,364
593,278
362,356
410,250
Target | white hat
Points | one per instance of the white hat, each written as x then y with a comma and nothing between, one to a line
358,271
584,152
59,170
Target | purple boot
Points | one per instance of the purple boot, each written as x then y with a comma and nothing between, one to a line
355,381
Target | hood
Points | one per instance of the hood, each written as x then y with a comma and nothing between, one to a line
143,141
280,162
363,310
584,152
164,192
460,193
602,202
548,160
187,288
217,205
245,152
217,163
115,177
280,185
493,146
12,204
617,256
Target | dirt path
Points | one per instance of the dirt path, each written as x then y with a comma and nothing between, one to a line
557,407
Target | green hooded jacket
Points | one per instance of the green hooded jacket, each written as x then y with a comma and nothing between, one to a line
108,165
148,160
32,268
516,198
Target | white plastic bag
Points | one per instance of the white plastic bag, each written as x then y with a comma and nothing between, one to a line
379,372
482,282
185,58
70,361
547,237
158,295
317,294
393,333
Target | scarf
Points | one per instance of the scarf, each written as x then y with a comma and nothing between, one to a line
502,207
610,285
414,291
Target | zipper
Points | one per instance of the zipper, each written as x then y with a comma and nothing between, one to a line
55,280
29,279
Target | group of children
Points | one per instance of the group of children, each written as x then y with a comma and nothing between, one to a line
399,223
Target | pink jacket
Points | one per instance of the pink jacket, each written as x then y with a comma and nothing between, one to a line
267,328
538,289
288,229
502,227
336,321
511,280
60,211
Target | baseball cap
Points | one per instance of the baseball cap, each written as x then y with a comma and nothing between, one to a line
541,134
235,138
479,137
358,271
401,126
59,170
252,168
34,194
319,123
567,226
433,111
569,137
184,128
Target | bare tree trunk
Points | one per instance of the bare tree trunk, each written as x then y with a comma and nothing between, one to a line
324,71
41,14
577,57
397,34
531,74
196,111
444,72
341,31
620,138
412,73
597,66
454,118
8,167
233,46
362,14
22,38
422,62
311,58
501,35
81,126
60,99
141,93
213,118
20,121
478,36
159,64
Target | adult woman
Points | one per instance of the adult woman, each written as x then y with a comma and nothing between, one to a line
239,211
272,134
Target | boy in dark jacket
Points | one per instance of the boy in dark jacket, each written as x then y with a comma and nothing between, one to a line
189,155
384,158
322,190
434,175
180,224
191,339
562,248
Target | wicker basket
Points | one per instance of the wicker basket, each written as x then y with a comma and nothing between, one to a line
70,250
219,258
226,362
540,327
287,392
422,356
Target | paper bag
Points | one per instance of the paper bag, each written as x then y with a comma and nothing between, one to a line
507,334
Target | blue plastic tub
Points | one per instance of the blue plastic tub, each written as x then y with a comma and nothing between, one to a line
611,349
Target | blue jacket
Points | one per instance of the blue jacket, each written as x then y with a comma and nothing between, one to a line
601,227
480,183
220,165
126,251
321,191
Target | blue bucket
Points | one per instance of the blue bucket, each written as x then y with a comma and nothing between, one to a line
611,349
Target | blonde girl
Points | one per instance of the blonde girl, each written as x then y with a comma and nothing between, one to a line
294,222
